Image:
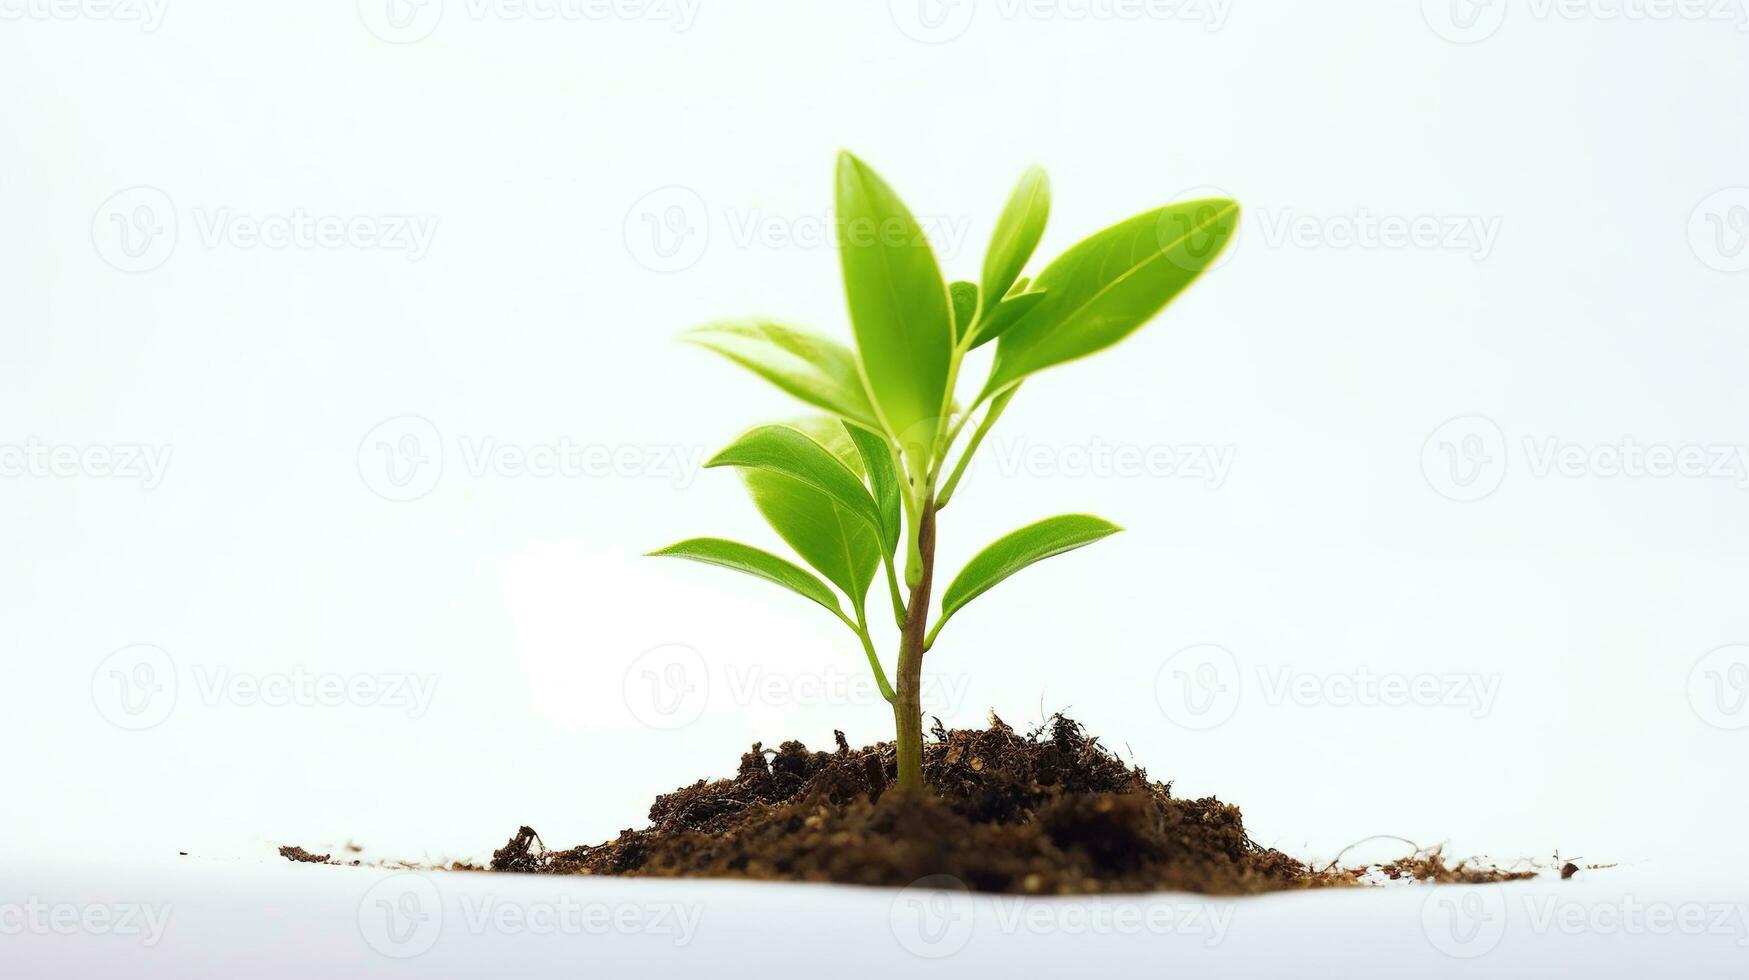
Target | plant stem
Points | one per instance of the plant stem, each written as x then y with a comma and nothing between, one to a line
908,705
978,434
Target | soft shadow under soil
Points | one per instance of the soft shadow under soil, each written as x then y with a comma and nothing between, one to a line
1047,812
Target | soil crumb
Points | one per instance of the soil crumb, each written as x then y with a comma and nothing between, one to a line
292,852
1047,812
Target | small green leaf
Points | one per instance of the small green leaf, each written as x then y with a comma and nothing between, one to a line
838,544
1108,285
883,479
761,564
899,306
965,306
1017,232
1007,314
785,450
1015,551
819,371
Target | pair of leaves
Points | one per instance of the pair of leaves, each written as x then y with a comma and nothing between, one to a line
1101,290
807,480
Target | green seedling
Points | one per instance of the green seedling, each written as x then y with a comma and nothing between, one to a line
853,489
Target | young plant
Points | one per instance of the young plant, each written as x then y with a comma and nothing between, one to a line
852,489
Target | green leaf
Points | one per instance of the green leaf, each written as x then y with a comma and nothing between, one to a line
819,371
761,564
899,306
1015,551
1007,314
883,479
837,543
1105,287
965,307
785,450
1017,232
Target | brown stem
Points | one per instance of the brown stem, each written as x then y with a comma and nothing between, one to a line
908,700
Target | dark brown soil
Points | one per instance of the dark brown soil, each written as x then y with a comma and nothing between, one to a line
1049,812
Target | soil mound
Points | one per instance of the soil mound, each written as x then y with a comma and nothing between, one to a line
1047,812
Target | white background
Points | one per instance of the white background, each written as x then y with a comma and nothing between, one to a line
589,185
